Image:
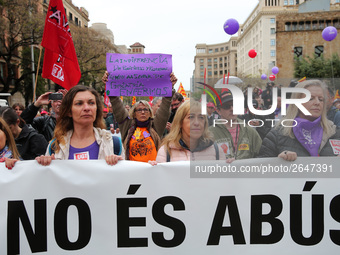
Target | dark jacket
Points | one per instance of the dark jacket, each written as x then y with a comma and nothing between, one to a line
30,143
275,143
44,124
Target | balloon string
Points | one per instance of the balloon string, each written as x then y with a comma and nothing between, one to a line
332,65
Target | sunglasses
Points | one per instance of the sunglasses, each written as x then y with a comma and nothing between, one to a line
174,105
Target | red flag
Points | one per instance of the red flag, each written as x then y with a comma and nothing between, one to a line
60,59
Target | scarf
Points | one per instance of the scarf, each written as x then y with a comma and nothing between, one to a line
142,123
309,134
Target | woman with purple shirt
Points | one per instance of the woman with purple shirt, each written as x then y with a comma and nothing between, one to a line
80,132
304,135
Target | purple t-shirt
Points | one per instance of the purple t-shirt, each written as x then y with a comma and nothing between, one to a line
89,152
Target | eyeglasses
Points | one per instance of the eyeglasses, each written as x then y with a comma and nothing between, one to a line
174,105
142,110
226,106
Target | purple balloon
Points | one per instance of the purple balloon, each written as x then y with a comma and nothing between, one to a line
329,33
263,76
275,70
231,26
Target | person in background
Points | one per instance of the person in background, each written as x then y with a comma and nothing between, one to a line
80,132
312,135
156,102
333,114
8,149
29,142
43,112
176,102
140,130
127,107
336,103
18,108
111,123
233,135
44,124
189,138
211,113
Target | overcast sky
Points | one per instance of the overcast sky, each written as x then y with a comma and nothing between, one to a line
173,27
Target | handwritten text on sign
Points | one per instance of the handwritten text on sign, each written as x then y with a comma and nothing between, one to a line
139,74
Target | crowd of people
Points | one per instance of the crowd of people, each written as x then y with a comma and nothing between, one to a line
170,128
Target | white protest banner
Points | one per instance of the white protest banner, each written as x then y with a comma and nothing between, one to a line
88,207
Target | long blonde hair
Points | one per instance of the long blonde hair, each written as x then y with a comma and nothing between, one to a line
293,111
176,127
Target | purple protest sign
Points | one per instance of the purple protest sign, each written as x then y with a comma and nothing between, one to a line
141,75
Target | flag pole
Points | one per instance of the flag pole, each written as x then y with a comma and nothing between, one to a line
36,77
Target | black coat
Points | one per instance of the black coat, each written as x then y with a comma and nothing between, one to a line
30,143
44,124
275,143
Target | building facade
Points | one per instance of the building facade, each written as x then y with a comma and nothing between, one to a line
77,16
301,36
214,61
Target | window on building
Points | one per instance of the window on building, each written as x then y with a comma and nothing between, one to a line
233,43
294,26
291,2
202,73
221,72
314,24
216,50
201,60
209,60
272,53
307,25
221,65
301,25
272,30
220,59
337,1
225,71
272,21
225,64
79,23
209,73
201,67
70,16
209,66
321,24
298,51
215,66
76,21
215,60
226,48
336,22
2,70
328,23
288,26
285,2
318,50
272,42
215,72
211,51
200,50
222,49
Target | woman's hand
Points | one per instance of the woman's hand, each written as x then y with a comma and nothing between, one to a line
173,79
112,159
10,162
105,78
152,162
230,160
288,155
45,160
